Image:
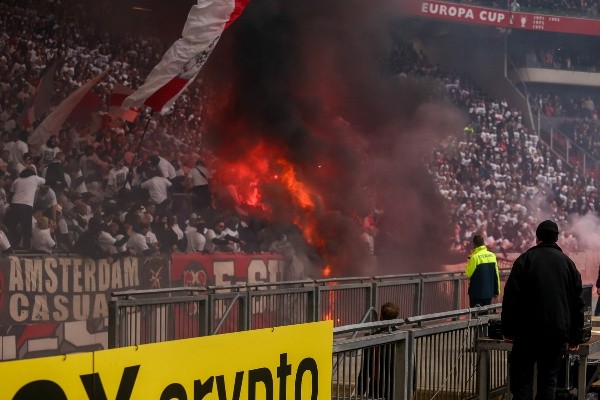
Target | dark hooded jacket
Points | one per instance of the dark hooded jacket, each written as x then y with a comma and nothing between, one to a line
542,297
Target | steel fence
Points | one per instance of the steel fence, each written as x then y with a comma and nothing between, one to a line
371,366
278,307
157,316
345,302
420,357
427,357
445,360
139,317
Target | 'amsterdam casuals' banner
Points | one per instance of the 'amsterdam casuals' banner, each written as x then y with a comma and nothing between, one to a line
59,305
59,289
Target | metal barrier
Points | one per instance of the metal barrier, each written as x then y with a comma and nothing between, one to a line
279,307
140,317
445,356
427,357
174,314
374,366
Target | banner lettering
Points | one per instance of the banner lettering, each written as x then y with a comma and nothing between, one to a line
500,18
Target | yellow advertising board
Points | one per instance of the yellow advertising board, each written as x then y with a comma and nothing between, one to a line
290,362
56,378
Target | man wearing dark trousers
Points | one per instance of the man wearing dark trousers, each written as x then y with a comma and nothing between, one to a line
542,314
482,270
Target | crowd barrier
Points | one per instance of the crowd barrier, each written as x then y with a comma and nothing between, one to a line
421,358
59,304
141,317
427,357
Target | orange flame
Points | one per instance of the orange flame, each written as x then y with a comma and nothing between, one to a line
266,164
303,197
331,303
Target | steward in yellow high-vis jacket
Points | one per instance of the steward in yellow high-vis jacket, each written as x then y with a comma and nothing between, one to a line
482,270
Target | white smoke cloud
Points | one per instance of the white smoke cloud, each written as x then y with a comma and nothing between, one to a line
587,230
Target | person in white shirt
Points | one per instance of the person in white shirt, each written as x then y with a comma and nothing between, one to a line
223,240
165,167
20,148
210,234
151,239
108,242
75,180
136,243
48,151
42,237
91,165
232,233
20,210
10,145
117,179
119,245
157,187
195,240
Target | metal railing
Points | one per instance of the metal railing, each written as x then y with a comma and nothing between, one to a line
419,357
571,152
427,357
148,316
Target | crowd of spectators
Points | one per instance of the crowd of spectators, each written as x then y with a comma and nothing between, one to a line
569,54
103,191
500,180
579,118
560,105
498,177
586,133
96,188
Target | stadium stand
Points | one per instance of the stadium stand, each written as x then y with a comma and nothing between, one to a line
497,175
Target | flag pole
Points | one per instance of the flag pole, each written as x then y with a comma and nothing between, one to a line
139,145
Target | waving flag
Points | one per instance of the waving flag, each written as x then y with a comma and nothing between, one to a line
54,121
181,63
119,94
42,100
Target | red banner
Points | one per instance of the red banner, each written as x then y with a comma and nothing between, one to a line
223,269
500,18
57,305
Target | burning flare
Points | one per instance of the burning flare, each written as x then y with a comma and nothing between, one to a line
265,166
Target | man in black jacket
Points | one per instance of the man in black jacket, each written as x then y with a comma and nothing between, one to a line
542,313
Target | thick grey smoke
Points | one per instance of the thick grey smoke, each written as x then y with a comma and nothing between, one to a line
306,76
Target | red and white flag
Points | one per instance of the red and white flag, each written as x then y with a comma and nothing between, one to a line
181,63
53,122
42,100
119,94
